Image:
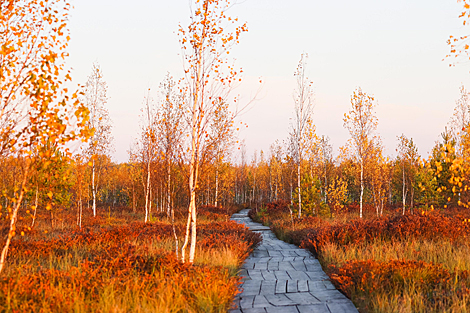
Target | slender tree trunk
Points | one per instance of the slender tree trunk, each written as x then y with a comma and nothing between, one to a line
362,188
377,202
291,192
193,169
168,190
81,212
403,192
14,218
270,185
381,207
298,189
254,186
147,190
216,185
174,231
133,198
93,187
170,210
192,249
326,182
80,207
35,207
52,220
150,204
186,236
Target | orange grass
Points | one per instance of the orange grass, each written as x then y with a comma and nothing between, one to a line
413,263
123,266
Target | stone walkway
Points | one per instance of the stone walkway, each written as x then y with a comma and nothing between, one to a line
281,277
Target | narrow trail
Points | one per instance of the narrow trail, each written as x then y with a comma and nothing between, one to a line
281,277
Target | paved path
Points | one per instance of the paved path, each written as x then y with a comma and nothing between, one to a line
281,277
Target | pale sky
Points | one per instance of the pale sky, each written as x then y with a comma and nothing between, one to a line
393,50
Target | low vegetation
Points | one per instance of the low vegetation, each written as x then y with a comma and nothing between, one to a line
397,263
117,263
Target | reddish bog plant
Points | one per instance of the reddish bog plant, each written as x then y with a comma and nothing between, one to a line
402,227
214,213
361,280
229,234
57,290
118,266
270,211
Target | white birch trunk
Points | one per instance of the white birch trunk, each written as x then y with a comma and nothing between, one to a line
362,188
403,192
147,191
93,187
35,208
11,231
216,185
298,188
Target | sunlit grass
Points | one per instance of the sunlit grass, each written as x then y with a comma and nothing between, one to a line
412,263
452,257
117,265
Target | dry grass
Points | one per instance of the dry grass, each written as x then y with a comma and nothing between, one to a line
118,264
452,257
414,263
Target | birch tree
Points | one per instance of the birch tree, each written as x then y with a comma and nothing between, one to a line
409,159
169,134
460,119
275,170
100,144
302,126
222,135
361,123
35,107
148,152
377,168
80,186
326,154
402,150
210,77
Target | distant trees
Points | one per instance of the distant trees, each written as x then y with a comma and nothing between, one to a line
170,129
325,151
408,157
275,171
378,175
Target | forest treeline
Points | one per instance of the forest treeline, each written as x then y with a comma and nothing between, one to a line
329,184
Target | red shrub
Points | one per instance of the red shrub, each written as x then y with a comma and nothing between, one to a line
361,279
402,227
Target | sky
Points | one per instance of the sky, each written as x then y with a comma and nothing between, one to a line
393,50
